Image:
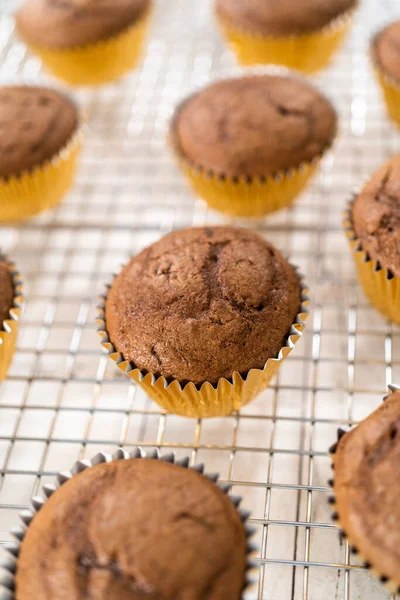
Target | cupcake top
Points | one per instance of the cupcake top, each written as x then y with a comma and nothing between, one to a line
283,17
254,126
133,529
386,50
35,123
367,475
376,216
202,303
67,23
6,292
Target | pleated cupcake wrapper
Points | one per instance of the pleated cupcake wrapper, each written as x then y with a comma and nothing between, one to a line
389,583
10,563
31,192
99,63
390,88
381,287
307,53
247,196
205,400
9,327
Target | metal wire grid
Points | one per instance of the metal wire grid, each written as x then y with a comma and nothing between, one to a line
64,400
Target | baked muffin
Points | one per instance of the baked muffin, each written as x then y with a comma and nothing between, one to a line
372,225
367,467
10,310
300,35
39,146
85,42
250,144
385,52
131,529
203,305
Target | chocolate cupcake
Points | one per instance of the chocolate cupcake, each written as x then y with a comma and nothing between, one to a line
123,527
385,52
372,224
10,310
249,145
301,35
39,146
85,42
200,317
366,505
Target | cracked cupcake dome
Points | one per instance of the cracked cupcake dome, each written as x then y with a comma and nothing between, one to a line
121,527
203,303
366,463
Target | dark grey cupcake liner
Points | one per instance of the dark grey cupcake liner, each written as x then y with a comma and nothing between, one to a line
10,563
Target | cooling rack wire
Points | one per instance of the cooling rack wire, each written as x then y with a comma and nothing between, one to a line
64,400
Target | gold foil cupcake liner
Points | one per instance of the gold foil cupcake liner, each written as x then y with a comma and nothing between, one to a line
248,196
100,63
306,53
390,584
206,400
10,563
381,287
36,190
9,328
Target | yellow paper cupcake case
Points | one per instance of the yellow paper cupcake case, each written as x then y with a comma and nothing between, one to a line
206,400
96,64
249,197
381,287
9,328
31,192
307,53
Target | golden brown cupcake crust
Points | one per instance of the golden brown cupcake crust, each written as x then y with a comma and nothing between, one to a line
254,126
134,529
367,472
282,17
6,293
202,303
35,123
60,24
386,51
376,216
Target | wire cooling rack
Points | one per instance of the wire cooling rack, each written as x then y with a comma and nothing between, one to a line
64,399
